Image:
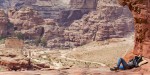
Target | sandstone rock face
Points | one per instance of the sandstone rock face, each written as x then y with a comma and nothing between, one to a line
141,12
61,10
53,34
3,23
109,21
68,16
44,7
77,9
25,18
16,60
83,4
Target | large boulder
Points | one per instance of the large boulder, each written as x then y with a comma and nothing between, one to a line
141,13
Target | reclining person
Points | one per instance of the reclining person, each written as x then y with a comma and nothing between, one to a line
135,62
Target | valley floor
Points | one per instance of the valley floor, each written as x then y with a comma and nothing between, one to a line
94,58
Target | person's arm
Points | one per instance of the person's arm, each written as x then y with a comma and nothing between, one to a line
139,59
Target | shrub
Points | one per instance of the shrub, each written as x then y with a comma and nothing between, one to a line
37,41
2,40
43,42
20,35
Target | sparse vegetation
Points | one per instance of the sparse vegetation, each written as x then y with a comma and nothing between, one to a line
20,35
43,42
2,40
37,41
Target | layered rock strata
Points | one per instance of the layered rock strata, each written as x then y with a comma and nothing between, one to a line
109,21
83,4
4,24
25,18
141,12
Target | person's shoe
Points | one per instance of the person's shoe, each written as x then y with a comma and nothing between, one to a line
114,69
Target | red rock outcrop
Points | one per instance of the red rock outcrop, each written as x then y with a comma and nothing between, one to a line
17,61
141,13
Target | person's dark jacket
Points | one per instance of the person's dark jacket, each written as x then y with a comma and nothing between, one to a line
134,62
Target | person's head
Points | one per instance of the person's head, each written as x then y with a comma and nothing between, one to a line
140,55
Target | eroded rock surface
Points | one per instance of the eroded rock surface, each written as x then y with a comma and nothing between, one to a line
108,21
83,4
25,18
141,13
4,24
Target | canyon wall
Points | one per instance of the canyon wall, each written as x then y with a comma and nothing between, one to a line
87,20
5,26
83,4
141,11
25,18
61,10
110,20
3,22
77,9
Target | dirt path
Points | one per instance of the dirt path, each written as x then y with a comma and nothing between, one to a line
107,53
64,55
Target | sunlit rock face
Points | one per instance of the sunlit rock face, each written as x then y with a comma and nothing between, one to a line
83,4
82,21
47,8
141,12
63,11
25,18
110,20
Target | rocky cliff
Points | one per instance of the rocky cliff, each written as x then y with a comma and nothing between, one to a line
6,28
110,20
61,10
83,4
105,20
3,22
141,12
77,9
25,18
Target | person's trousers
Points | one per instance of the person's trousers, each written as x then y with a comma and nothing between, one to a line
122,64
